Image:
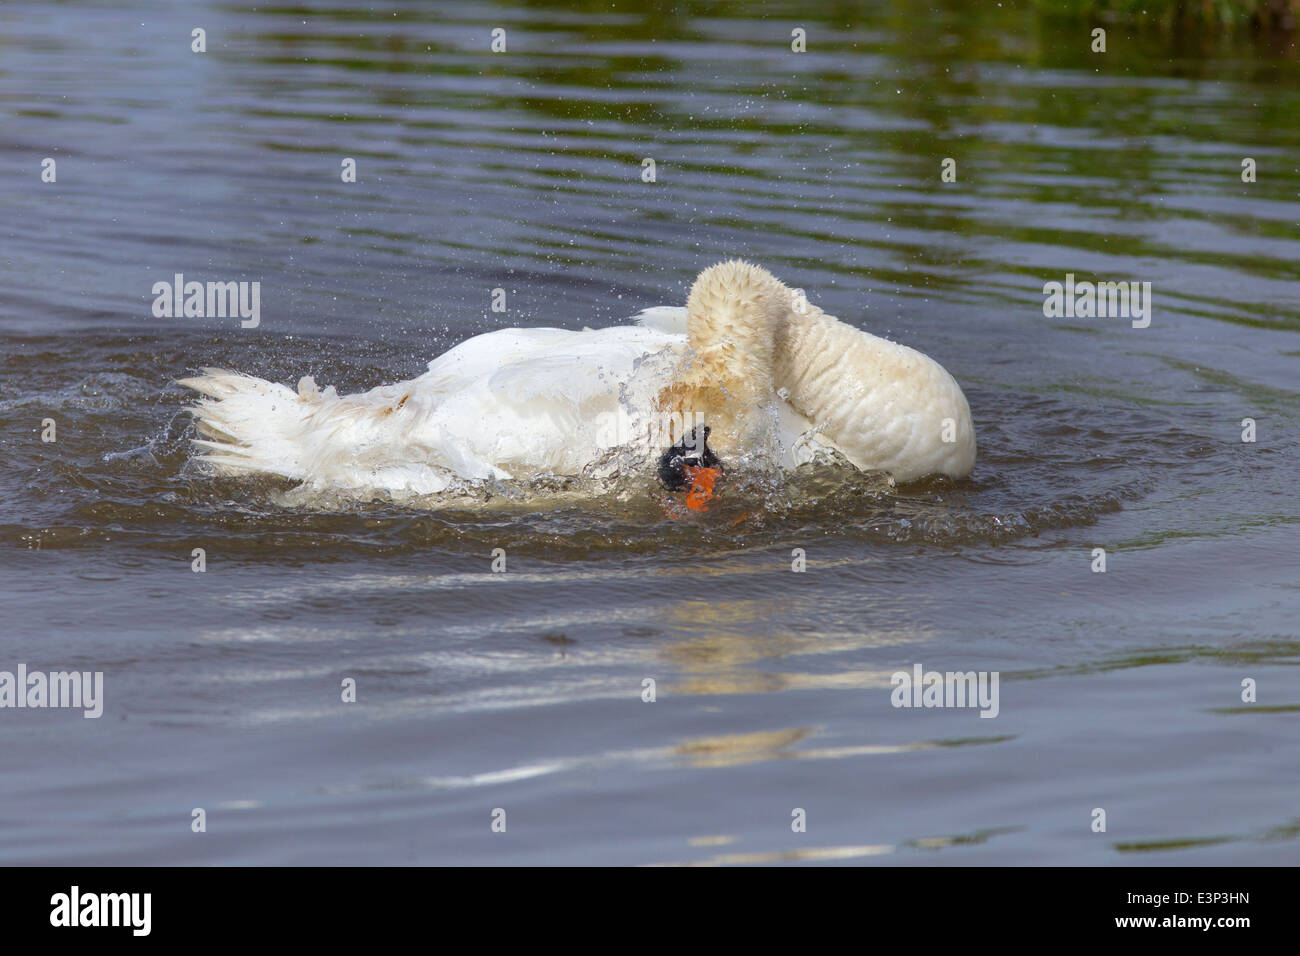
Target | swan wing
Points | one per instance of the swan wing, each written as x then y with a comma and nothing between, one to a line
557,409
670,319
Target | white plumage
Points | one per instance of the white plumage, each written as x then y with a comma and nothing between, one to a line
771,382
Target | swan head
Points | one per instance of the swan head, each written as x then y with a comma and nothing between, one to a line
691,466
734,313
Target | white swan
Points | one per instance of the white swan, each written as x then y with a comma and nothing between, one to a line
771,376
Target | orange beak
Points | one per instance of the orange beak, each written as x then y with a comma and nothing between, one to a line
702,481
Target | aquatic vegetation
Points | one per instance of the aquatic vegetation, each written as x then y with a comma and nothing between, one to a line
1272,15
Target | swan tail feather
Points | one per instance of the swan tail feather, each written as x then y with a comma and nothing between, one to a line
250,425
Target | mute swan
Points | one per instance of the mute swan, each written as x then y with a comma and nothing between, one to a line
768,375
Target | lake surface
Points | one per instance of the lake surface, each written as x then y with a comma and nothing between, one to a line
522,691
